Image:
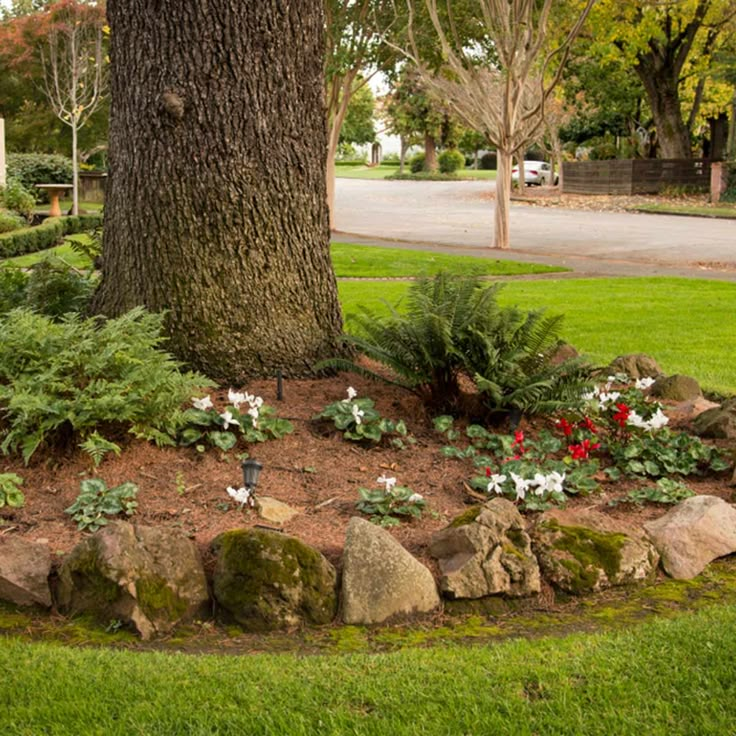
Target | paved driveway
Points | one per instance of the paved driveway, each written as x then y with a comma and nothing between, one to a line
459,215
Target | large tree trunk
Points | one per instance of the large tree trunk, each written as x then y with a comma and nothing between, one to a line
216,207
503,195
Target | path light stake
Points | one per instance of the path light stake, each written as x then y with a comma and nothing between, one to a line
279,385
251,470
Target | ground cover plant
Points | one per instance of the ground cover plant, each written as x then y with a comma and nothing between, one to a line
592,684
685,323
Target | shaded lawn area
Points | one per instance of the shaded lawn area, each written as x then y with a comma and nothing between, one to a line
664,678
686,324
373,261
64,251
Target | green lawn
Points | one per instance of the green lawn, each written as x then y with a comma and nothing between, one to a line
64,251
381,172
686,324
726,211
664,678
371,261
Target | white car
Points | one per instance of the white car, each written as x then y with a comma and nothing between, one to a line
535,173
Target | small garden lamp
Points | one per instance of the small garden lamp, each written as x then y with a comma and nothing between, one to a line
251,470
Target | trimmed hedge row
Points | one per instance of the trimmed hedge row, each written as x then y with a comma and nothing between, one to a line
46,235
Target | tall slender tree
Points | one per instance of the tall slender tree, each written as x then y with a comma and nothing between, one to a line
216,210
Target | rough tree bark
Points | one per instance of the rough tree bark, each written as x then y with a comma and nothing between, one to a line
216,208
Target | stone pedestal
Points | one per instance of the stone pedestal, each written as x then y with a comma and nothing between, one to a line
717,180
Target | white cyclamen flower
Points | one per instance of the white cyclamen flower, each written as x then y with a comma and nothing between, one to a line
604,399
415,498
203,404
228,419
521,486
388,482
254,414
658,419
553,483
235,398
494,483
352,393
540,481
358,413
644,383
240,495
590,395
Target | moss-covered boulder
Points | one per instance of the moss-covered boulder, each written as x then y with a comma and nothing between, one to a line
486,551
267,581
718,422
676,388
583,552
145,577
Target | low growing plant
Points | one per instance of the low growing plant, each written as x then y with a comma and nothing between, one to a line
386,505
666,491
96,502
10,493
61,382
203,424
359,421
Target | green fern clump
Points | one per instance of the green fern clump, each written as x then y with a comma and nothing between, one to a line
454,328
82,379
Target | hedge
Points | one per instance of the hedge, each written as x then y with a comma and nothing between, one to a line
39,168
46,235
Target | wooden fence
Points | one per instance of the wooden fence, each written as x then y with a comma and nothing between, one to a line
634,176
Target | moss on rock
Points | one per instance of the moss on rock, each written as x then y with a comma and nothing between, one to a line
467,517
266,580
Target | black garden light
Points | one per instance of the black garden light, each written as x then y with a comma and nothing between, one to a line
251,470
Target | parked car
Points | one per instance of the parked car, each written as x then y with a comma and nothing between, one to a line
535,173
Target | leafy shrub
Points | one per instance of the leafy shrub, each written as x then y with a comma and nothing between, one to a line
10,493
416,163
63,381
385,504
9,222
17,198
54,289
391,159
46,235
359,421
96,502
665,491
451,161
489,161
454,327
39,168
13,284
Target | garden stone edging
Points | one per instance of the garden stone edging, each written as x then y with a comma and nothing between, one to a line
636,365
149,577
586,551
486,551
24,572
267,581
380,579
693,534
718,422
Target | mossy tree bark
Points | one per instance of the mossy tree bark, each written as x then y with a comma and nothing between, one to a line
216,207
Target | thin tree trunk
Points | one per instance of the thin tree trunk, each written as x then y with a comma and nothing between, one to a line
402,156
503,198
217,208
339,101
75,170
521,180
430,153
731,145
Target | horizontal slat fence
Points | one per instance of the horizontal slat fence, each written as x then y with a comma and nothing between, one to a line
634,176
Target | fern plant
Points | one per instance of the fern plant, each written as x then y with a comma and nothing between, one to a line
454,327
85,379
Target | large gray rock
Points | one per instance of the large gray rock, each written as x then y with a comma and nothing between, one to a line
676,388
718,422
636,365
694,533
585,551
267,581
147,577
380,579
486,552
24,572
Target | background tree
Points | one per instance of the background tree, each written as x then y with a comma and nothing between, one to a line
359,125
216,209
664,43
499,88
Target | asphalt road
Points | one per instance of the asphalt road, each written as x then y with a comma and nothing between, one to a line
458,217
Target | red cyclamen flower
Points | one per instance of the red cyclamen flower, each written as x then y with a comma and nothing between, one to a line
488,472
582,451
565,426
587,423
622,415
